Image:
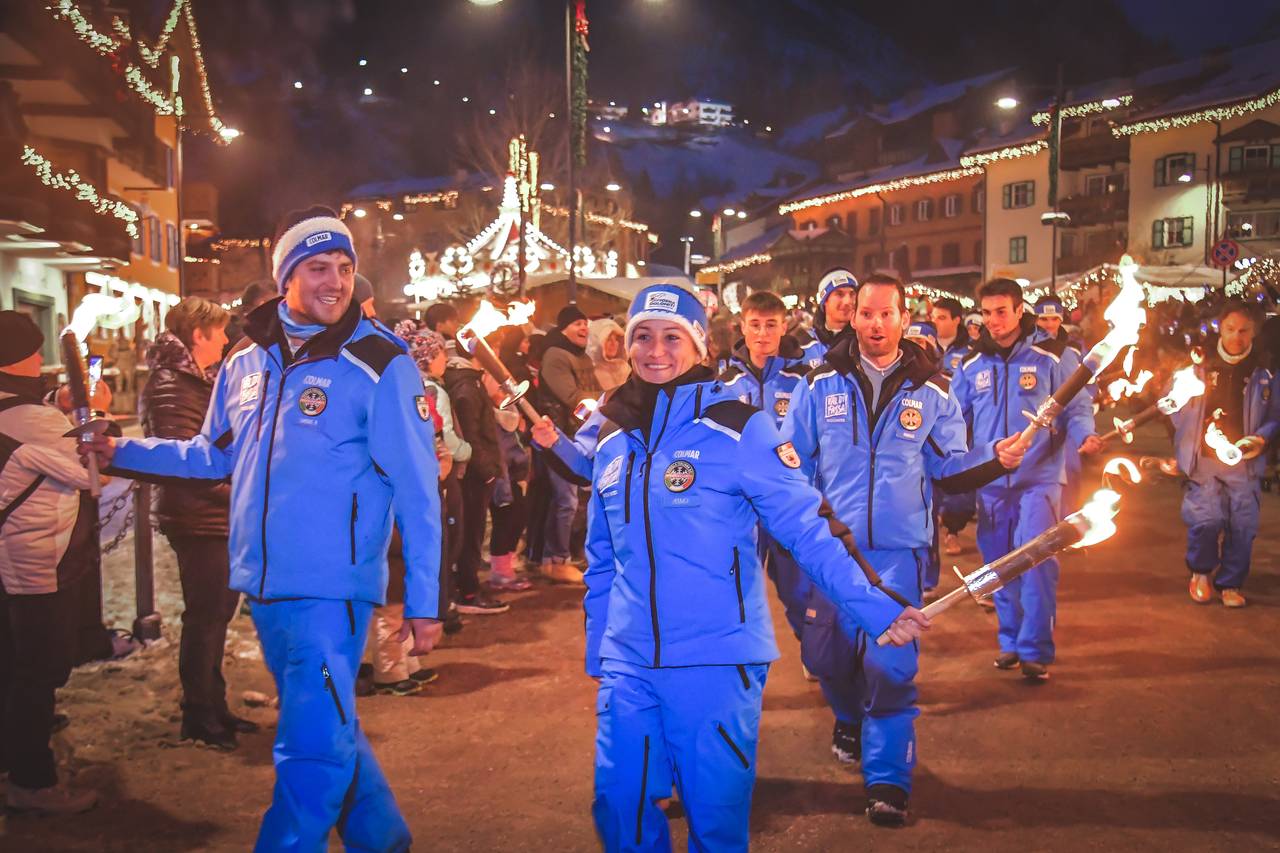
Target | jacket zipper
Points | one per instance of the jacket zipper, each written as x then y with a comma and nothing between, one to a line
736,571
742,673
333,691
648,538
742,758
626,501
355,511
266,489
351,618
262,398
644,783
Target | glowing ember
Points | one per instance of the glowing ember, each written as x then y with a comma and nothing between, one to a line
1119,465
1125,314
1097,514
1185,386
489,319
1228,453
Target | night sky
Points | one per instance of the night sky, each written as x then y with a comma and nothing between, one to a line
775,60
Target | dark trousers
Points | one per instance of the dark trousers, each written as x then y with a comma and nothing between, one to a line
37,649
475,512
451,504
537,500
203,567
509,523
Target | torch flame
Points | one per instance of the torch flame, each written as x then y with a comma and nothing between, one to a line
1122,387
489,319
1119,465
1228,453
1185,386
1125,314
1098,514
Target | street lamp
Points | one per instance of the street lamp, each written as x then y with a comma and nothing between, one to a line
1007,103
696,214
688,251
613,186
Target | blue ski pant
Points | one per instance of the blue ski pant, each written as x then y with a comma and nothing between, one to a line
326,775
792,584
871,685
694,726
1027,606
1221,513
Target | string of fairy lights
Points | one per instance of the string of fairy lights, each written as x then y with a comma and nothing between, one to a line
72,182
1216,113
1086,109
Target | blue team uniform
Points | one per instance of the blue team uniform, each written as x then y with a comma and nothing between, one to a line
994,390
875,468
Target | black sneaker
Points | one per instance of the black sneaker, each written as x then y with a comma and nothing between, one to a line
1007,660
210,732
887,805
482,605
452,621
846,742
1033,671
426,675
408,687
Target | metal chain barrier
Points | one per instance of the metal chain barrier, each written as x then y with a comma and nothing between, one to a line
125,498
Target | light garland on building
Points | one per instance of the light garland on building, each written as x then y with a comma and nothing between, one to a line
1086,109
599,219
448,198
735,265
1236,110
916,290
888,186
1013,152
83,190
107,45
228,243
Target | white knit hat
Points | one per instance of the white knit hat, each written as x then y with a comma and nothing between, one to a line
308,238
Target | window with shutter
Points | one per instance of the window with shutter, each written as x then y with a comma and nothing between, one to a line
873,225
1017,250
924,257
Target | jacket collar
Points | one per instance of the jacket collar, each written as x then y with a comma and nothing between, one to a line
557,340
788,352
1027,330
639,405
168,351
916,365
824,335
29,388
264,328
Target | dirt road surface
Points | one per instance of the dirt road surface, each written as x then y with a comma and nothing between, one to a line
1158,730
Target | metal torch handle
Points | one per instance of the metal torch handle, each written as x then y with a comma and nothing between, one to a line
95,481
932,609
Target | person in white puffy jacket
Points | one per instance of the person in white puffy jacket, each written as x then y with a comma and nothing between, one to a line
47,526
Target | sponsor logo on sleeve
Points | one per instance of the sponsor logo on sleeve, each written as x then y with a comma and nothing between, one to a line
611,474
837,406
787,454
982,381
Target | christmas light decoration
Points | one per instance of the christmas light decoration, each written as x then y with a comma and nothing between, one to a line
1013,152
1220,113
916,290
111,46
735,265
83,190
448,198
1086,109
240,243
600,219
888,186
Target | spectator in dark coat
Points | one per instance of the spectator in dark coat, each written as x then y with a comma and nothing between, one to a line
473,413
193,515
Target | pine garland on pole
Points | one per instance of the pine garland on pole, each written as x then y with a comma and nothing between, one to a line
578,127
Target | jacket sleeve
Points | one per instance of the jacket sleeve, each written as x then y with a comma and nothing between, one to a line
947,457
1270,425
557,377
206,456
457,446
1077,417
402,444
960,388
58,462
788,506
800,427
598,577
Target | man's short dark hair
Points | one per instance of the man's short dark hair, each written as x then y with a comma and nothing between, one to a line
764,302
1250,310
441,312
951,306
881,279
1001,287
256,293
293,217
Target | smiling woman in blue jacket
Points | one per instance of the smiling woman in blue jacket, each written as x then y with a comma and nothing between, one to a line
677,626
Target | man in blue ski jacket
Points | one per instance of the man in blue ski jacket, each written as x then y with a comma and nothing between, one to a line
1012,369
831,320
1050,313
953,511
874,427
320,420
677,624
1221,500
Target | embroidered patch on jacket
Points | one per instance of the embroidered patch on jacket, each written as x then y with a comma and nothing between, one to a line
312,401
781,405
679,476
611,475
982,381
787,454
250,388
1027,381
424,407
910,419
837,405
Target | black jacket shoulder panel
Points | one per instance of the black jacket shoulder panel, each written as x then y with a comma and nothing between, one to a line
733,414
374,351
1053,346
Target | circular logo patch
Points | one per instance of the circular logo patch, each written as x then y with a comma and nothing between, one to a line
910,419
780,406
679,476
1027,381
313,401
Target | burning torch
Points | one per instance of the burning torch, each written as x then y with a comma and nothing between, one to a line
79,386
1228,453
1090,525
1126,315
471,337
1185,386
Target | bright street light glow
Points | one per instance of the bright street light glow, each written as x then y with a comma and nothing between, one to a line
768,128
1184,178
465,99
360,213
606,129
485,2
297,84
1007,103
546,187
1023,282
367,91
398,217
729,211
404,70
229,133
362,63
492,111
742,214
1111,103
1246,226
551,115
696,214
435,82
613,186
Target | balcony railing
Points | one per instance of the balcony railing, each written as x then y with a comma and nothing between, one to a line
1093,150
1250,185
1096,209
